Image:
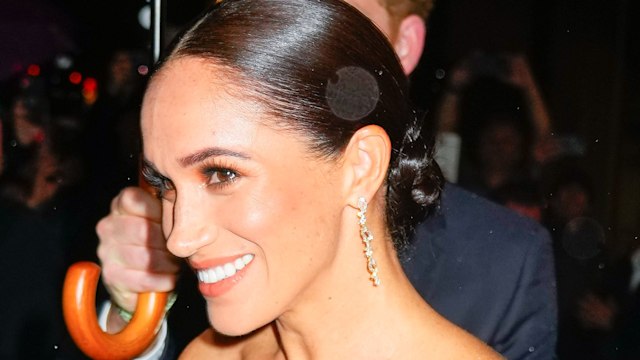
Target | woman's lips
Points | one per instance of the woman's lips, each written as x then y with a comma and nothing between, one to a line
214,280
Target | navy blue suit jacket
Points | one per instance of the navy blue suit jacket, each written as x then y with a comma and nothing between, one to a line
490,271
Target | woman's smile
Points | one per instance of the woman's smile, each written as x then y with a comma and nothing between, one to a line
217,276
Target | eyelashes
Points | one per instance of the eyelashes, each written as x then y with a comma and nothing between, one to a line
216,175
219,174
160,184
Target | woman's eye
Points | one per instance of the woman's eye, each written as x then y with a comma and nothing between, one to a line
221,176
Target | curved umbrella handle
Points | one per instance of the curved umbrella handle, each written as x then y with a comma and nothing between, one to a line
79,308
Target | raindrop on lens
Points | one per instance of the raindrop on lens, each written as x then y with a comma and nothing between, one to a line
440,74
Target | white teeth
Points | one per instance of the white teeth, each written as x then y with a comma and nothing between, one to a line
221,272
212,276
239,264
229,270
247,258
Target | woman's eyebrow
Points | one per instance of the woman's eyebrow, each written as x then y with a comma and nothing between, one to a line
204,154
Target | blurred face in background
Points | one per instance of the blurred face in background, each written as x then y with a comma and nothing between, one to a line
121,68
26,132
570,201
47,179
378,14
500,147
403,23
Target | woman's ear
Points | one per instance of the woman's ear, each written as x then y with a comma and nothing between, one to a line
366,161
409,42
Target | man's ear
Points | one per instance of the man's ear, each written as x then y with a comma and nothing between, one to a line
409,42
366,160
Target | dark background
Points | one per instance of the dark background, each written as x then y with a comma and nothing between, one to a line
586,58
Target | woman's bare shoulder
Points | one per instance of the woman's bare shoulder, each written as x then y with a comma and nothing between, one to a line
463,349
455,343
261,344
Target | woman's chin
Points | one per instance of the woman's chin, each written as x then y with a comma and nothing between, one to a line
234,327
232,331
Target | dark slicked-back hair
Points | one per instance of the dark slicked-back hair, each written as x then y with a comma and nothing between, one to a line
322,70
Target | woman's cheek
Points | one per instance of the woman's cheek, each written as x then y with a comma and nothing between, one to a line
256,216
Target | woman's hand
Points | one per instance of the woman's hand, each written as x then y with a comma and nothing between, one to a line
132,249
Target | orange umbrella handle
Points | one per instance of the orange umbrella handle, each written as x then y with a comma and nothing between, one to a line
79,308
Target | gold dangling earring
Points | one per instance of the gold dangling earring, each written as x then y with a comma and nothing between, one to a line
367,236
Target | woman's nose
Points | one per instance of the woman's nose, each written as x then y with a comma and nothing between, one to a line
190,231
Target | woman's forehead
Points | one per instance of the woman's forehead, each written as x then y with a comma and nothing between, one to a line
188,106
189,84
190,71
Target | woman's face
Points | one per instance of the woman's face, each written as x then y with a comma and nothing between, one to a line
252,211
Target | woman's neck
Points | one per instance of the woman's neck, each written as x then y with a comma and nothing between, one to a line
347,316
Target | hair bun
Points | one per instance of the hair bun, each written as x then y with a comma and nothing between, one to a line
415,182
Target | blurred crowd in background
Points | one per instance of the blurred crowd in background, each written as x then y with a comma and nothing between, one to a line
70,142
